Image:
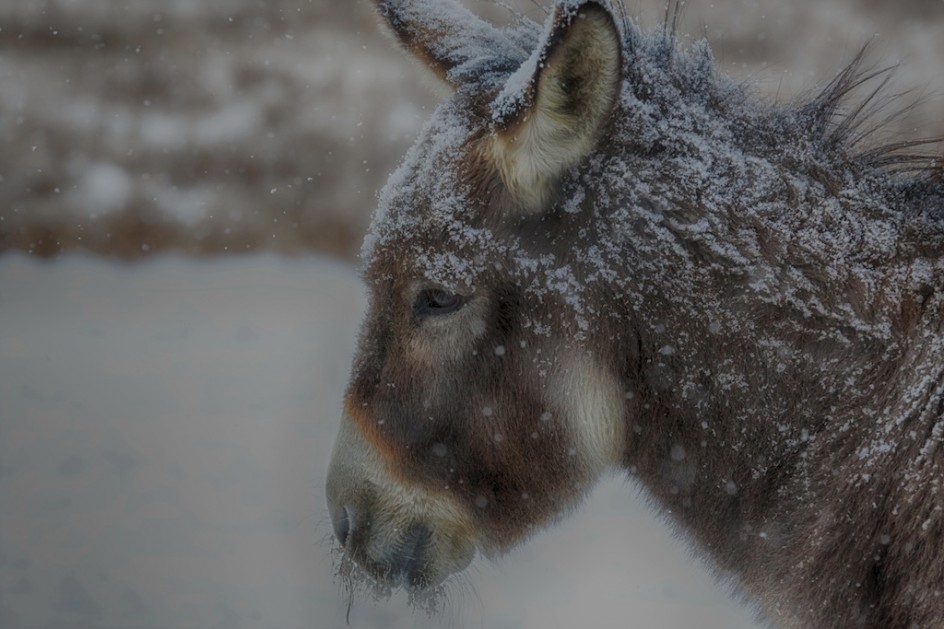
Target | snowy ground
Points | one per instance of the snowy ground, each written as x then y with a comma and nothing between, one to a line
164,436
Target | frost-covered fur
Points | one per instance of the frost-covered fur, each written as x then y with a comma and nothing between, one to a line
758,295
548,121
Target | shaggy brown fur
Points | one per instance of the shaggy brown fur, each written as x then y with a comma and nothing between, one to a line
736,302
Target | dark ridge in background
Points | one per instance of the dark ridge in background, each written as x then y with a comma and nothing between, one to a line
227,126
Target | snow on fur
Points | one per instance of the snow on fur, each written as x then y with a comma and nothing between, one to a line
768,262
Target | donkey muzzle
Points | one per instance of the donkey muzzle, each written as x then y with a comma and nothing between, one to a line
399,536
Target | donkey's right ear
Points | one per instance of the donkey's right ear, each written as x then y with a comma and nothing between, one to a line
555,106
447,37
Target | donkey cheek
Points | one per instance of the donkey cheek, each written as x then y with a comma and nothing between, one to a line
509,503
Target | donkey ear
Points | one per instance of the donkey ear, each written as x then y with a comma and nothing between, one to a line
454,42
552,110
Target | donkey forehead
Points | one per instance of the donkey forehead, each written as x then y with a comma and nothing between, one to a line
428,218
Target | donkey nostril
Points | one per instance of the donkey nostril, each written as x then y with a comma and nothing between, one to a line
342,526
412,557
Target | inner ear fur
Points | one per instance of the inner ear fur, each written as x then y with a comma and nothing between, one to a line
559,115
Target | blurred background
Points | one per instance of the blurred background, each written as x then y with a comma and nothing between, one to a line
184,185
133,127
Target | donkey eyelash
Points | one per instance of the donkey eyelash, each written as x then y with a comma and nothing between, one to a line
437,302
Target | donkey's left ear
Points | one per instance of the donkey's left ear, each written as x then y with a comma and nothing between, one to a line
552,110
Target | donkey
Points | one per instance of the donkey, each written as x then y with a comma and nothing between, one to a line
601,254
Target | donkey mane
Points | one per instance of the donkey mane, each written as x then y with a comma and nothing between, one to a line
834,116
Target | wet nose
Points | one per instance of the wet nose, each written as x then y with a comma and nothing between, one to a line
342,525
408,562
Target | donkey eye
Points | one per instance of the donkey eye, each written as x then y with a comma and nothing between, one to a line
434,301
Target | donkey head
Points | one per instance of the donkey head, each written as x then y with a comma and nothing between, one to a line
475,410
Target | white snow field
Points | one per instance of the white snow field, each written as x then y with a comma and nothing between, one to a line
165,430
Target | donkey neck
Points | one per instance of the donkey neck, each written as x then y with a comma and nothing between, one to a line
763,327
